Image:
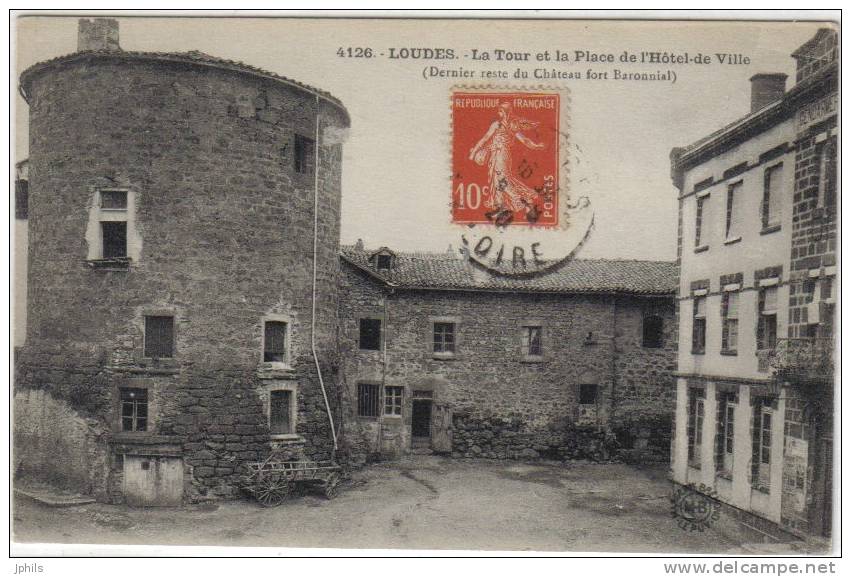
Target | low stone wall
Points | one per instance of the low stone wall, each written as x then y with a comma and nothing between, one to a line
493,437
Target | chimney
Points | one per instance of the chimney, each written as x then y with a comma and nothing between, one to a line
98,34
766,88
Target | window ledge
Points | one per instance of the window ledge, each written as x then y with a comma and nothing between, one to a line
733,240
770,229
729,352
274,371
290,438
702,248
727,475
444,356
393,417
532,359
694,465
698,352
761,489
122,263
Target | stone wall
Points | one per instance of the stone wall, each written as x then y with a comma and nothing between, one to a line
225,226
503,404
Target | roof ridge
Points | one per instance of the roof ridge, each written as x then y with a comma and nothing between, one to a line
446,256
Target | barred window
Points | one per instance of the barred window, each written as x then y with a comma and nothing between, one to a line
159,337
393,400
367,400
533,341
134,409
444,337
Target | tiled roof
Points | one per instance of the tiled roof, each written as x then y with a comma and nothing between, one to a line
446,271
191,57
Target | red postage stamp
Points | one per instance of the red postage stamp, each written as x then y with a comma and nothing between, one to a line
505,158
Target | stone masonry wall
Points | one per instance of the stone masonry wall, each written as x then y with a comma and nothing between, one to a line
226,226
504,405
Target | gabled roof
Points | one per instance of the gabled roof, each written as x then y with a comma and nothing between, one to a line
192,57
444,271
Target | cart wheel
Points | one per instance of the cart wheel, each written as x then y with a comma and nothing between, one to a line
331,485
271,492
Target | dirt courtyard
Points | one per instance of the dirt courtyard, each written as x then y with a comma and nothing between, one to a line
423,502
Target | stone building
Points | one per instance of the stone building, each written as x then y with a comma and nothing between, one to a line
183,273
440,355
756,252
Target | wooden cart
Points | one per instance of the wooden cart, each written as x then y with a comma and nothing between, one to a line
272,481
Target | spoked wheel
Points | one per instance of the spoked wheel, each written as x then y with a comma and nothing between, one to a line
271,491
331,485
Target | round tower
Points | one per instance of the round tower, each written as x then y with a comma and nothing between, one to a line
183,270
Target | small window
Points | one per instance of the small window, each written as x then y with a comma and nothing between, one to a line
383,261
735,200
393,400
766,330
695,426
444,337
701,217
730,322
533,341
303,156
274,342
588,394
113,199
114,239
370,334
772,196
281,412
827,174
367,400
159,337
22,188
698,329
134,409
653,332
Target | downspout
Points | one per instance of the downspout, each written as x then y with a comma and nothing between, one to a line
315,253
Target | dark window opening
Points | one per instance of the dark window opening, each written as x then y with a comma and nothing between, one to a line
383,261
274,342
698,225
159,337
370,334
653,332
114,239
698,330
303,153
280,412
766,330
393,400
113,199
827,174
22,198
134,409
533,341
444,337
588,394
367,400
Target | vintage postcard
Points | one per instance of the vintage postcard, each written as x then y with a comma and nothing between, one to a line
470,283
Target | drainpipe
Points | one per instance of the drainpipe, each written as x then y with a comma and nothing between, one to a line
315,253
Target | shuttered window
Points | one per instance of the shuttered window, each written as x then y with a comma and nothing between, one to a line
280,412
367,400
159,337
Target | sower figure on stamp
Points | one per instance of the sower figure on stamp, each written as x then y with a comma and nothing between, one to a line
508,193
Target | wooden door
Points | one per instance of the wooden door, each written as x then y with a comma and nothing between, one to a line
441,429
153,481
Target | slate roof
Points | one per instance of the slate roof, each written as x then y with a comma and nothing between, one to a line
192,57
446,271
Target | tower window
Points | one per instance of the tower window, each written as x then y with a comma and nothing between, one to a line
274,342
303,154
159,337
114,239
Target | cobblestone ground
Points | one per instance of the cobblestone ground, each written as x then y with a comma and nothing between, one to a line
421,503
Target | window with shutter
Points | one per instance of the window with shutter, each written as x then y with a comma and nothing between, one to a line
159,337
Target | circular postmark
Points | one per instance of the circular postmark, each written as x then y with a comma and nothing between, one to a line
695,507
510,183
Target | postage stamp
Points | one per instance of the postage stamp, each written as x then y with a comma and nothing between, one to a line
505,152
